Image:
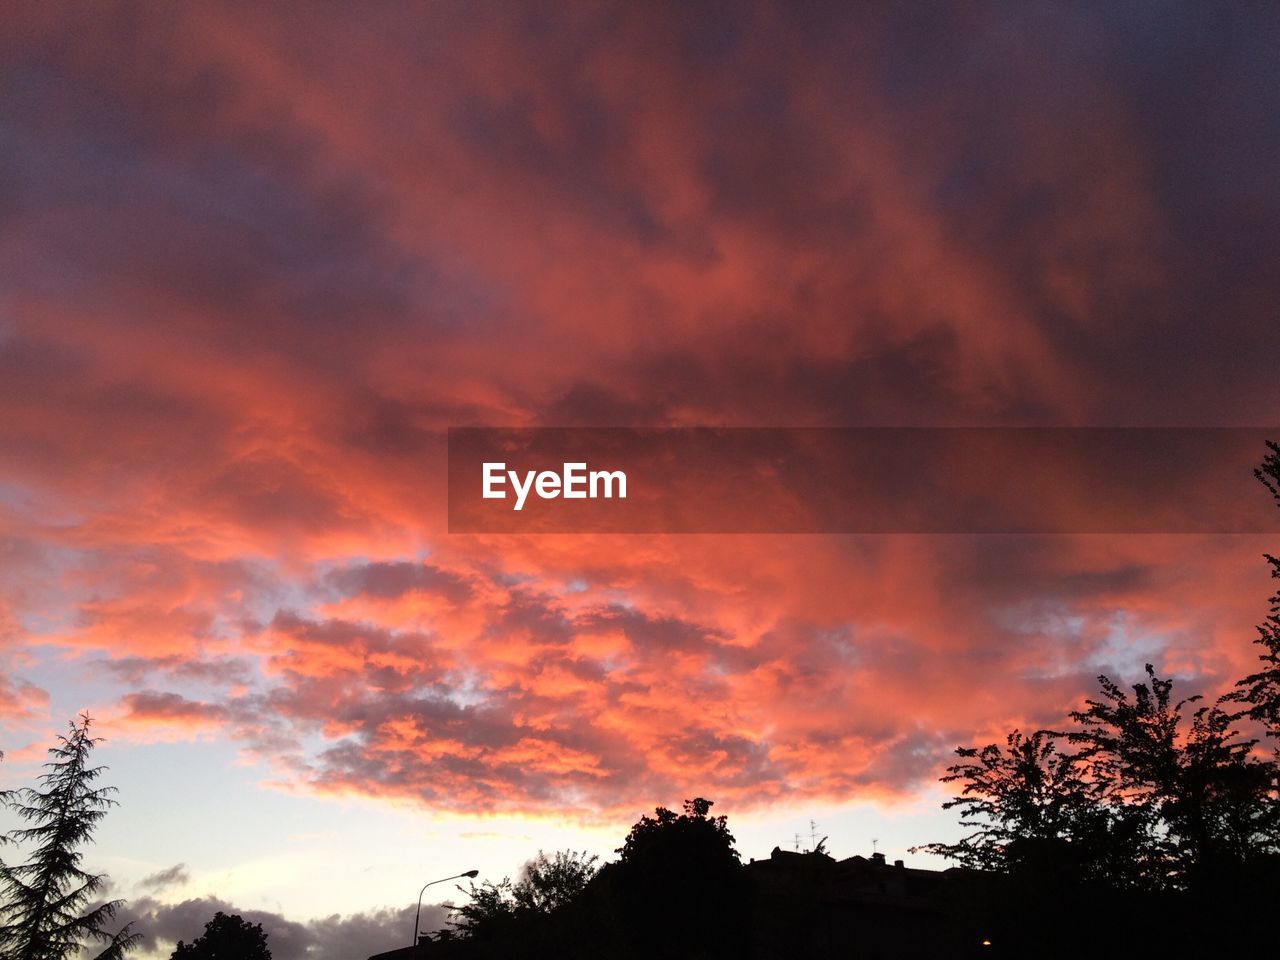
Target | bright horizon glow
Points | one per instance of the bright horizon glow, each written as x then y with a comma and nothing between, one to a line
385,845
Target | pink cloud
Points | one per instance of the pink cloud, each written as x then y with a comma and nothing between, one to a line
251,277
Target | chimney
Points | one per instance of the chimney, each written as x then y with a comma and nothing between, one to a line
899,864
878,858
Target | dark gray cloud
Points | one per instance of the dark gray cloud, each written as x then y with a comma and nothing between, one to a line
390,580
223,672
350,937
163,879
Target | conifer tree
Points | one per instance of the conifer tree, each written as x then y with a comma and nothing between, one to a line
47,905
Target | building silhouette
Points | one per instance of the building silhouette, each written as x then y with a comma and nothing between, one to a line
810,906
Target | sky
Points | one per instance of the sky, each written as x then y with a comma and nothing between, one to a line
255,260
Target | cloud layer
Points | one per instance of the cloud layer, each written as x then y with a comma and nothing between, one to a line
251,273
162,925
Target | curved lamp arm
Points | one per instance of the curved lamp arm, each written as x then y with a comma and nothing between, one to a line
417,917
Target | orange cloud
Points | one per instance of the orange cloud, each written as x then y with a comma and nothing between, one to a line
250,278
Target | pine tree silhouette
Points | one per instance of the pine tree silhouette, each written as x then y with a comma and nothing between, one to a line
44,903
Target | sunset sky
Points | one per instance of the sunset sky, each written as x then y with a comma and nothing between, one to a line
255,259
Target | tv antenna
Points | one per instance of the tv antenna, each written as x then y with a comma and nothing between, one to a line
874,842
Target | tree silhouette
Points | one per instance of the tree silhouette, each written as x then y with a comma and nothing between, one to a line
491,914
1151,797
226,937
45,911
1260,691
1201,802
1031,809
676,891
680,888
546,885
1146,802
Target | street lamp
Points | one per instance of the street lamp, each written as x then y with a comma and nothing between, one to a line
417,917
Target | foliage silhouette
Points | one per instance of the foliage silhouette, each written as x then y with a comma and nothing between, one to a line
1146,803
1260,691
1198,804
546,885
677,890
1032,811
226,937
680,886
46,909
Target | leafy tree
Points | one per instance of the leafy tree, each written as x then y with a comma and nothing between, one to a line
680,888
491,914
1146,804
226,937
45,911
668,835
1200,800
1031,808
1260,691
1157,802
546,884
1151,797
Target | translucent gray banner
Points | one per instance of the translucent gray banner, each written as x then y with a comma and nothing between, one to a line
836,480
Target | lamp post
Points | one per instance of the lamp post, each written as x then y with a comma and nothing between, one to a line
417,917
